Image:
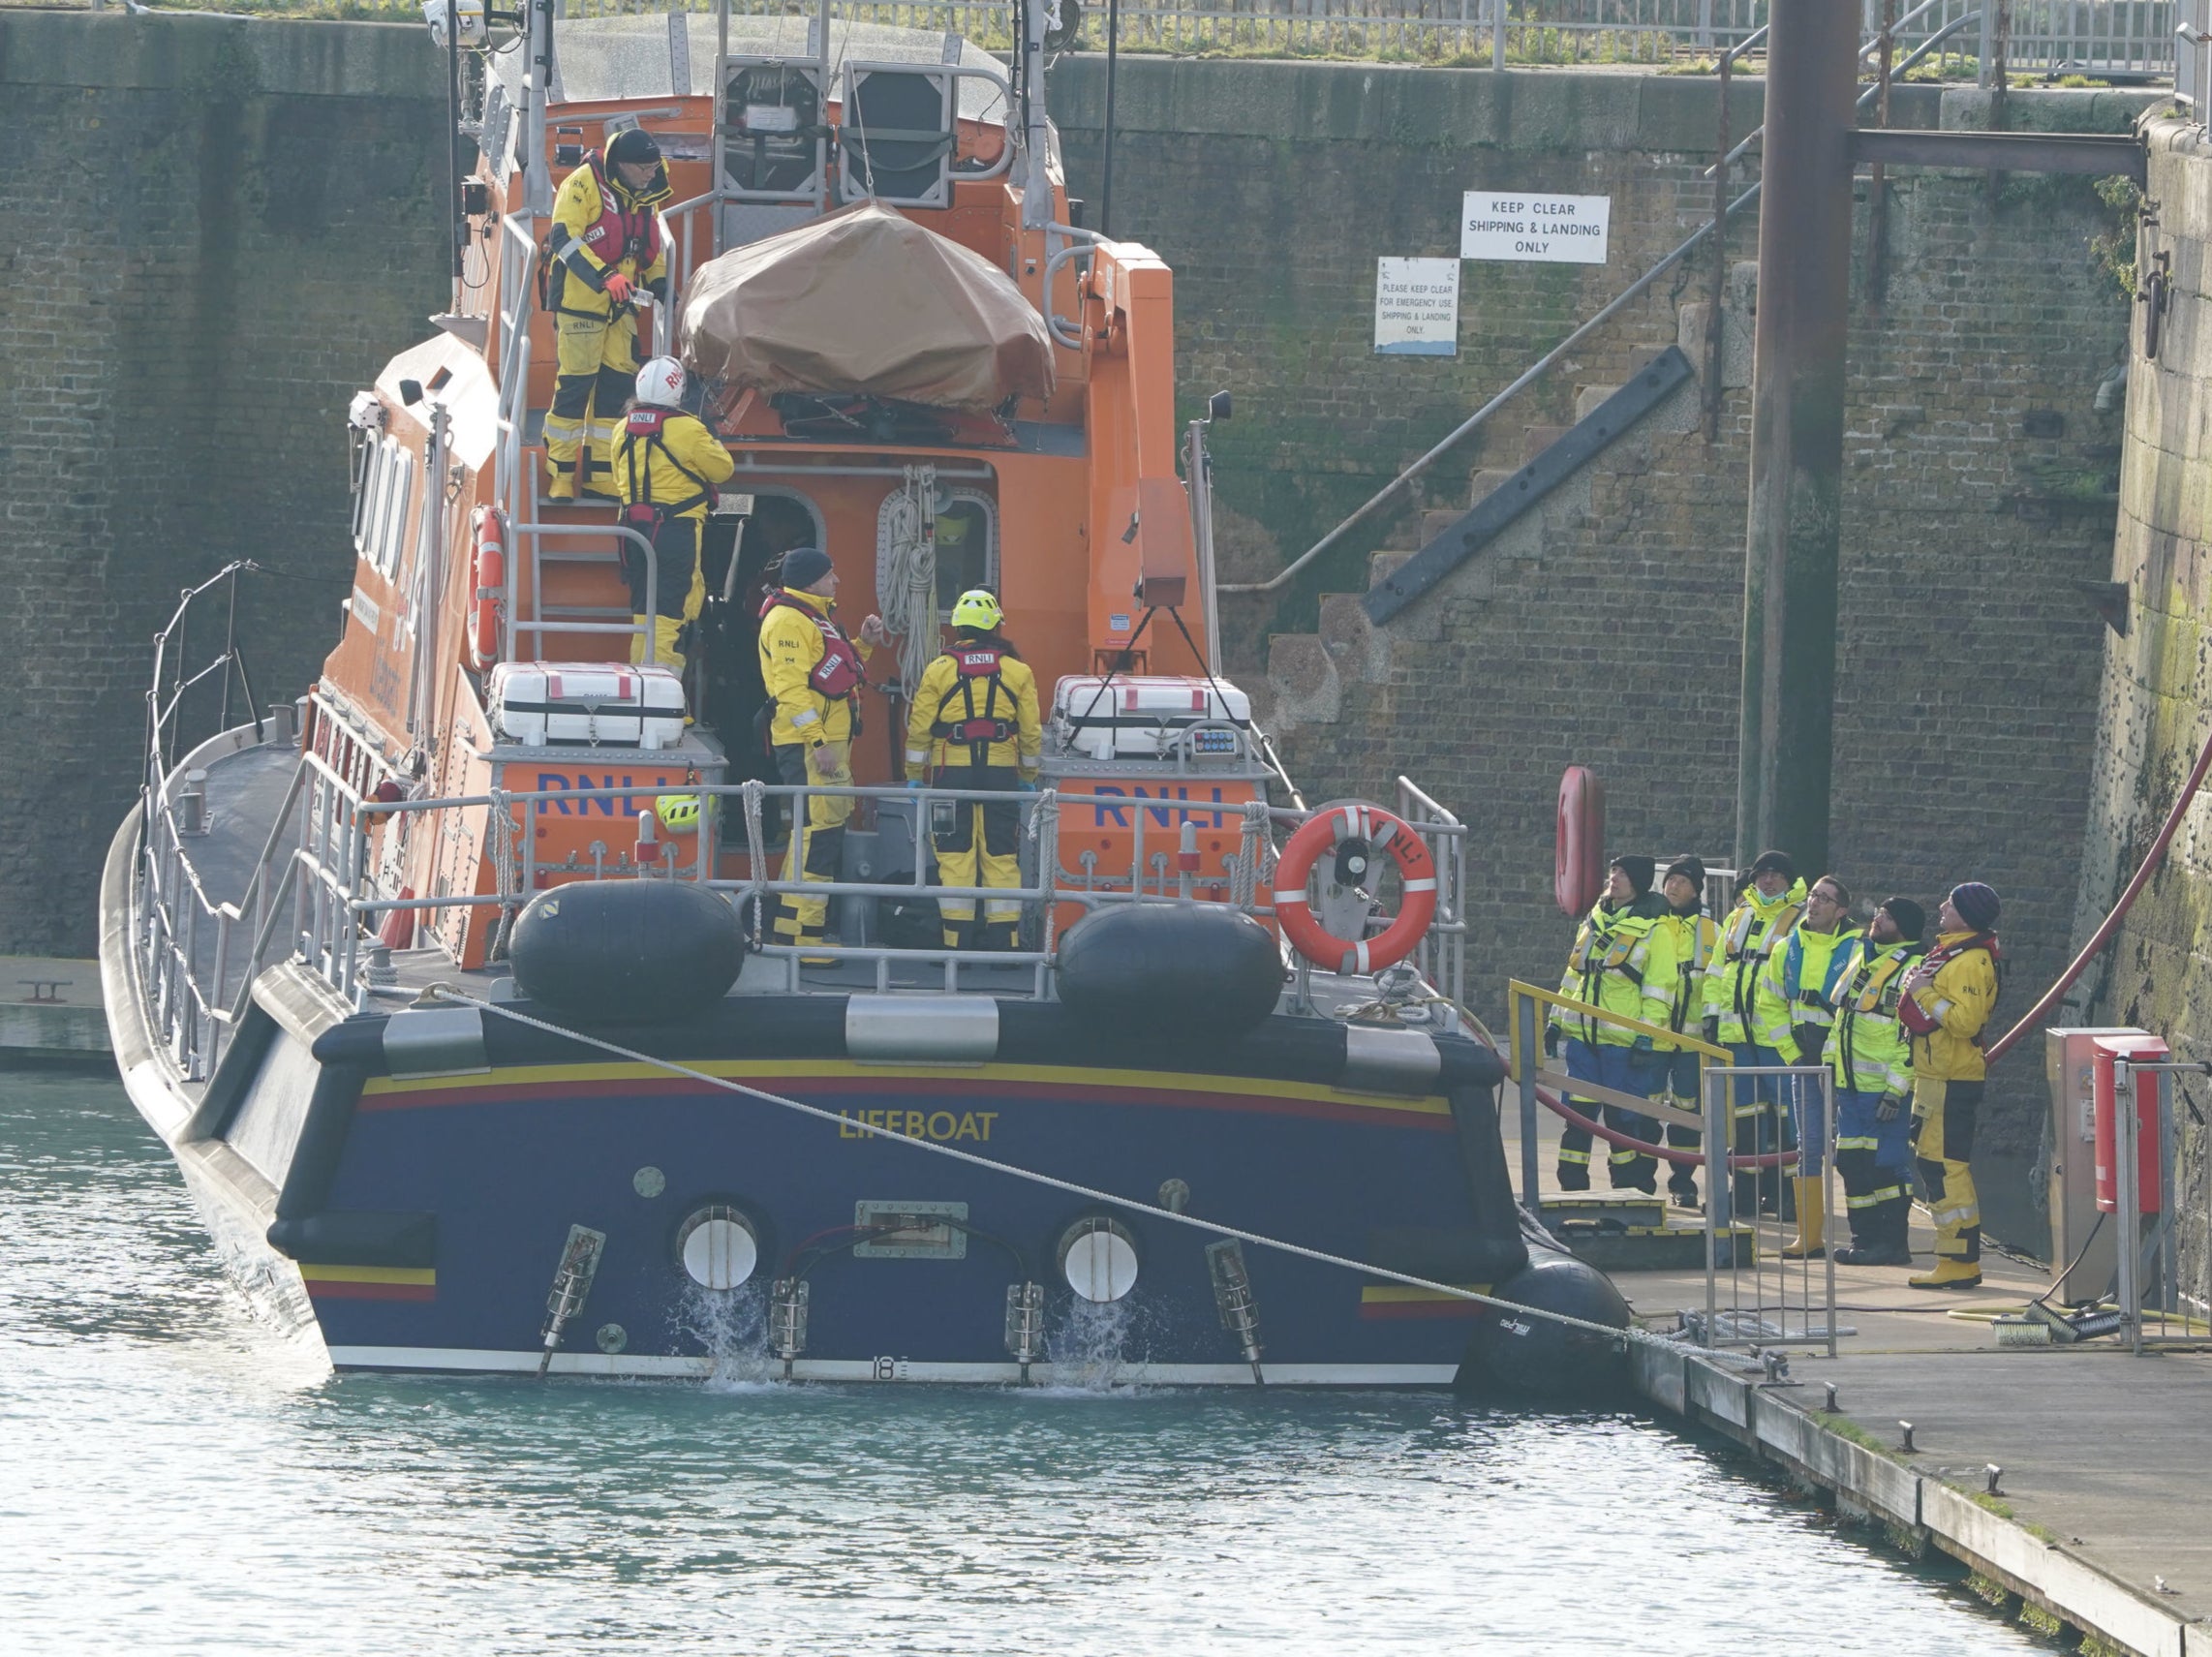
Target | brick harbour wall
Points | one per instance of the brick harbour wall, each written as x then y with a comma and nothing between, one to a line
1605,629
2157,689
251,225
213,230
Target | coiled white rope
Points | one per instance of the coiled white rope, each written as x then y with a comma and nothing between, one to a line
447,993
907,576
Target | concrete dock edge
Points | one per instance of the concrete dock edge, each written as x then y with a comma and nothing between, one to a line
1912,1505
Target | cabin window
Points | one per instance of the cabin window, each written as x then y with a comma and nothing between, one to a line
379,519
967,546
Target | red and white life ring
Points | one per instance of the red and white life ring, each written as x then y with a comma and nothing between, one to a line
1318,836
487,583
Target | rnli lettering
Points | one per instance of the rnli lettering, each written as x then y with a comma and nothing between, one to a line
607,806
940,1125
1165,816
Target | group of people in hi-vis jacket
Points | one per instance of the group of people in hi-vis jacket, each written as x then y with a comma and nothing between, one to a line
1789,978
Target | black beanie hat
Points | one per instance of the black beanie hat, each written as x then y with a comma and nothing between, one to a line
1691,868
1912,920
1774,862
802,567
631,145
1976,903
1637,869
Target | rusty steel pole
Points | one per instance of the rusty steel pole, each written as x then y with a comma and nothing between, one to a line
1797,433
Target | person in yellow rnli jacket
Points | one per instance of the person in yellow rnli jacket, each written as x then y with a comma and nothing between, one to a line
1769,905
813,673
1948,998
1610,968
668,464
1791,1015
604,247
1681,949
1870,1054
974,717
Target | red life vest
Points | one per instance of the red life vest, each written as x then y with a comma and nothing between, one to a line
839,673
617,235
974,664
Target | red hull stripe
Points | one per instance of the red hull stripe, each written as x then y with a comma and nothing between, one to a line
1422,1309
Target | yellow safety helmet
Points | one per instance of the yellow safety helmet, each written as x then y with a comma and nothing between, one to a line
977,611
679,813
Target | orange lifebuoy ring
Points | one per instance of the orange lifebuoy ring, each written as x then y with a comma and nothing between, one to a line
1322,833
1578,859
487,582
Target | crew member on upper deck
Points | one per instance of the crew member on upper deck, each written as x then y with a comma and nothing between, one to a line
813,673
605,245
668,465
976,714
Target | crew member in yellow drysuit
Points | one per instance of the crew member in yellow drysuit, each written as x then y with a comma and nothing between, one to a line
814,674
604,247
976,714
668,465
1947,999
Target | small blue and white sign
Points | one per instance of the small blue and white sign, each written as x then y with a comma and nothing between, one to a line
1417,307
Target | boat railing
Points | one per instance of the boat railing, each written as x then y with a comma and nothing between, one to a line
338,910
182,934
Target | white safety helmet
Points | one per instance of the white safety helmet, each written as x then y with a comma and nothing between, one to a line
662,382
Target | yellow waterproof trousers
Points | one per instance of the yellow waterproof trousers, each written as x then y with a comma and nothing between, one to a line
817,839
982,847
594,372
1943,1139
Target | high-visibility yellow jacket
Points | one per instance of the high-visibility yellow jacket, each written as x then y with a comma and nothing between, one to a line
792,646
674,470
1681,949
1752,931
947,699
1869,1051
1793,985
1959,1001
1610,968
577,280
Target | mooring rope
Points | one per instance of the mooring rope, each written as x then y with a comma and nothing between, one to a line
447,993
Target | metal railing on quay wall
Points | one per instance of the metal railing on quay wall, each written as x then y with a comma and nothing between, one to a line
2135,39
1754,1296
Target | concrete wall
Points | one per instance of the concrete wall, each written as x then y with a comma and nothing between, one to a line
213,231
1605,629
2157,694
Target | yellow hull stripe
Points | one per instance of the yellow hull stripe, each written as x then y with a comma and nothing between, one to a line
800,1070
1399,1293
368,1274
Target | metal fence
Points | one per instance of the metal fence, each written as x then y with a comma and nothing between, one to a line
2129,39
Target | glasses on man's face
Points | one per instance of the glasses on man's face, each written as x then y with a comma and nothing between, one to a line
1827,898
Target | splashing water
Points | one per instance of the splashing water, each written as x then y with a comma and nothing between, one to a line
733,1325
1089,1351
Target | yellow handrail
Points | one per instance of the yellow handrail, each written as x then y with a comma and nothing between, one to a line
1678,1040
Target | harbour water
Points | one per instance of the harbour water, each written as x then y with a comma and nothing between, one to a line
178,1474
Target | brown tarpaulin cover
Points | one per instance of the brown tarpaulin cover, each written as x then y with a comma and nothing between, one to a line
866,300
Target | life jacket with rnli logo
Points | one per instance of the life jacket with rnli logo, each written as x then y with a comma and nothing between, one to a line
975,665
644,430
839,674
616,235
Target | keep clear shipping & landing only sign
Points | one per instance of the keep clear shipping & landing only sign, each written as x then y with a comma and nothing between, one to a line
1417,307
1553,229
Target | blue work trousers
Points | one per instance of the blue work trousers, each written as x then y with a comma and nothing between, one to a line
1627,1072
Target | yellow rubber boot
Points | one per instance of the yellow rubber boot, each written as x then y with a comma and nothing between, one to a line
1811,1222
1949,1274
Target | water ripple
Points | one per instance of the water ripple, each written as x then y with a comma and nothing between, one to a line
177,1475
